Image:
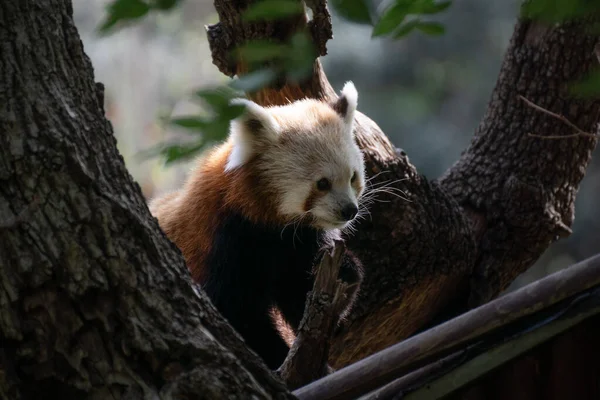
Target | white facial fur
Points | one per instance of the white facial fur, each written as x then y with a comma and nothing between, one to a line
298,145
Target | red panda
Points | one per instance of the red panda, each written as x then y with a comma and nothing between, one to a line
255,212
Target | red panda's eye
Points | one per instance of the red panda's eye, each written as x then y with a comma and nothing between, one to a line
353,177
323,184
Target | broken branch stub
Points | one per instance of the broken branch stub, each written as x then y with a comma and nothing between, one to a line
308,357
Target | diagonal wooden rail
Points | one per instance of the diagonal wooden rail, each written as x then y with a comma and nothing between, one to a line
445,339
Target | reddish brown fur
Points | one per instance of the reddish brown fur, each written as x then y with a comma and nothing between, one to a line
312,197
190,216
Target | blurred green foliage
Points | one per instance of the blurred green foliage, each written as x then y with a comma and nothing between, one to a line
266,60
588,86
269,61
268,10
557,11
353,10
396,20
130,10
427,94
561,11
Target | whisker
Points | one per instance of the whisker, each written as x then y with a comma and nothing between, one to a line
294,235
362,214
295,220
390,191
298,221
285,226
386,188
376,175
362,210
384,185
388,182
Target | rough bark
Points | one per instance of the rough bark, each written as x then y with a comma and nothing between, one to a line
519,185
459,241
95,303
307,359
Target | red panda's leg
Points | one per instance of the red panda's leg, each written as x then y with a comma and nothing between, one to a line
351,272
291,297
263,338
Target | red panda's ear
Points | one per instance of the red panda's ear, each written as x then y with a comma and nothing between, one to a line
346,103
251,131
256,120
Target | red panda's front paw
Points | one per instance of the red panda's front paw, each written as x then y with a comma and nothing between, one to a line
351,273
339,273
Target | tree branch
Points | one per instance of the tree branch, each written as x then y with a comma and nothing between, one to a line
95,300
112,291
307,359
504,314
489,217
522,186
416,253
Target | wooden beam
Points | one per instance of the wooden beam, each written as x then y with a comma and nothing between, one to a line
417,351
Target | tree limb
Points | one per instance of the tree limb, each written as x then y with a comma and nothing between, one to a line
308,356
96,303
493,213
522,186
481,324
406,281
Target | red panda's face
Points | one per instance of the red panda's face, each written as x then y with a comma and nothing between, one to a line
306,152
319,178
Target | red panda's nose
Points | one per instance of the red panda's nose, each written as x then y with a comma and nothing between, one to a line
348,212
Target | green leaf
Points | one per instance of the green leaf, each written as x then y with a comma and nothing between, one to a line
218,99
556,11
396,14
434,8
390,20
254,81
431,28
300,57
232,112
172,152
164,4
268,10
217,130
407,28
260,51
180,152
353,10
213,128
589,86
193,123
120,10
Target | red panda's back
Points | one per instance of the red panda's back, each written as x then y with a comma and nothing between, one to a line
189,216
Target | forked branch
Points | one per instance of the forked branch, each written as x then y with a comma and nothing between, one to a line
462,239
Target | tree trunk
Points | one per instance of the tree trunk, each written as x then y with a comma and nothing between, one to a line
96,303
461,240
